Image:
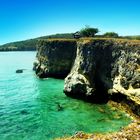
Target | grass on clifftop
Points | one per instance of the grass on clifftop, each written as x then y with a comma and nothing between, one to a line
117,40
87,40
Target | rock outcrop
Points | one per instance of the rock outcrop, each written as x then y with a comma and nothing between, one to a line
99,68
55,58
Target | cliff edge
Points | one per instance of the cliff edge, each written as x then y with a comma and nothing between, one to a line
94,69
54,57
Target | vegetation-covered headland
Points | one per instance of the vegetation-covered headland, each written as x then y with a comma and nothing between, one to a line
30,44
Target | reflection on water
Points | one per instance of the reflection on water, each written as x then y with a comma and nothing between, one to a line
35,109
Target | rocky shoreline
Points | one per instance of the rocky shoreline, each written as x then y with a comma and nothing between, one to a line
130,132
96,70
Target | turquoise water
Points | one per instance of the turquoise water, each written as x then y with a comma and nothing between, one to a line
35,109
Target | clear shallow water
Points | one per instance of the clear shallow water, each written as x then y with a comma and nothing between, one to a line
30,107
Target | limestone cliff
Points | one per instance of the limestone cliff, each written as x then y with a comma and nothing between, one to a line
55,58
101,69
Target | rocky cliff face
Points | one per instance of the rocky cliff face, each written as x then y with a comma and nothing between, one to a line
101,69
55,58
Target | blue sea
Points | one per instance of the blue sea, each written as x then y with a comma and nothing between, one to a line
37,109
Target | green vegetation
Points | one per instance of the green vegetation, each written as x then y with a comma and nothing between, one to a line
88,31
31,44
27,45
111,34
63,35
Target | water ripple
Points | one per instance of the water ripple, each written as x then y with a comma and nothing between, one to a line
29,107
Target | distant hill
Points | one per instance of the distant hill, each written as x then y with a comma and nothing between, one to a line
27,45
31,44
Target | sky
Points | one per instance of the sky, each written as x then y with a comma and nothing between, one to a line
26,19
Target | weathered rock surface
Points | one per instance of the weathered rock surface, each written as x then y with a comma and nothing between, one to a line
106,67
99,68
55,58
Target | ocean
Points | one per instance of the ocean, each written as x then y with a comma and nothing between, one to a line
37,109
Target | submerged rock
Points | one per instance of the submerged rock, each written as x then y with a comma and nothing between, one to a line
59,107
130,132
24,112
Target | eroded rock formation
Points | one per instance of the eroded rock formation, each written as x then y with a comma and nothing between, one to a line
99,68
55,58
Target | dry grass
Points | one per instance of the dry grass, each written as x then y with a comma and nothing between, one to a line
117,41
114,40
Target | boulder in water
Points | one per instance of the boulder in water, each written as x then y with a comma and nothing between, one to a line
19,71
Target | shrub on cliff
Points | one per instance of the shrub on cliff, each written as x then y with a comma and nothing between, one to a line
111,34
88,31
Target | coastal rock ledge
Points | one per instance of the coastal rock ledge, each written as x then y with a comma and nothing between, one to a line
95,70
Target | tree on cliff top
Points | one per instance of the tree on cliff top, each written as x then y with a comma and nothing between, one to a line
88,31
111,34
